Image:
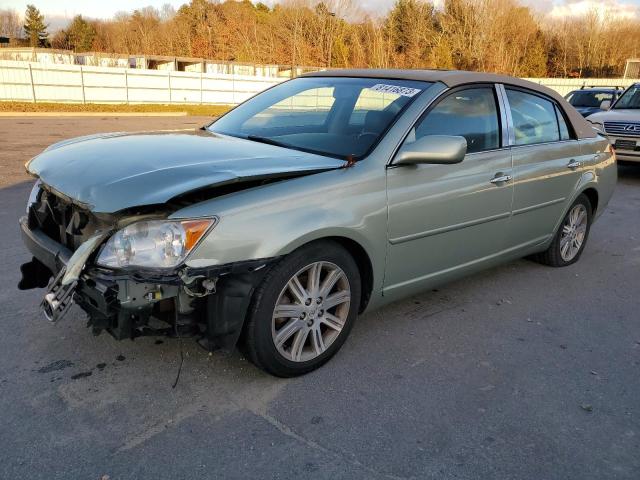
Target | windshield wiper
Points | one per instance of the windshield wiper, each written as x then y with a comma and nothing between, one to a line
267,140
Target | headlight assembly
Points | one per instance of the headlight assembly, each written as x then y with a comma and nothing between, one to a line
153,244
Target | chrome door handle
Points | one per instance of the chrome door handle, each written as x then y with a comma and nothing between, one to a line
501,179
573,164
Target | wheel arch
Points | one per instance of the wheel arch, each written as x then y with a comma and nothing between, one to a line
358,252
364,264
588,187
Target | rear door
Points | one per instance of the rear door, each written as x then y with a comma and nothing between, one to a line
443,218
547,165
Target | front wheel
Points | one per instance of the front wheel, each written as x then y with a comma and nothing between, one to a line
571,237
304,309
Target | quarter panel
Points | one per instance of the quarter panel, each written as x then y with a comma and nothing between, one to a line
605,168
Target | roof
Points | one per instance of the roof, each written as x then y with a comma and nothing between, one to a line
454,78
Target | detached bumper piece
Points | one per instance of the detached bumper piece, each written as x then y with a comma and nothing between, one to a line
210,303
58,298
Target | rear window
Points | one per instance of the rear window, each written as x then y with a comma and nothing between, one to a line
534,118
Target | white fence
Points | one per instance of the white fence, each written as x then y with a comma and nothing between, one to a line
36,82
565,85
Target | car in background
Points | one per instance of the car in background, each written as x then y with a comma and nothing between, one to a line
589,100
621,123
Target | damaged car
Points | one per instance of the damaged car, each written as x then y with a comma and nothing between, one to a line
321,198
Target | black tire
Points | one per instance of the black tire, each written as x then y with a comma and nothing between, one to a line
553,256
259,344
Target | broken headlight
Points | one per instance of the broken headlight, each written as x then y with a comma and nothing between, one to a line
153,244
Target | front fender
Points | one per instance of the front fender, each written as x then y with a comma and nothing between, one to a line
275,219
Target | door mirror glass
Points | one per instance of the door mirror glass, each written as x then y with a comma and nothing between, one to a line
606,105
438,149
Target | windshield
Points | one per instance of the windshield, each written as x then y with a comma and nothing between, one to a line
587,98
338,117
629,99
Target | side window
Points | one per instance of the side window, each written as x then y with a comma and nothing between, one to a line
562,124
470,113
534,118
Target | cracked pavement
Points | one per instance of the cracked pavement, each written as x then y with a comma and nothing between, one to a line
519,372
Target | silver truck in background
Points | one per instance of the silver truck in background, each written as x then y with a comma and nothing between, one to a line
621,122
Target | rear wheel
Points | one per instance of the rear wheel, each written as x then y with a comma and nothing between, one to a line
304,309
571,238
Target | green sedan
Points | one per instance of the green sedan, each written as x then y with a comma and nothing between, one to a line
321,198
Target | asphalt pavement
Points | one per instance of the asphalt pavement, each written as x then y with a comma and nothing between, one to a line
520,372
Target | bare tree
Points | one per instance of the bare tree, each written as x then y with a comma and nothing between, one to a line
10,25
490,35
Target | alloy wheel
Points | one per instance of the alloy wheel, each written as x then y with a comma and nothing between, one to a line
311,311
574,231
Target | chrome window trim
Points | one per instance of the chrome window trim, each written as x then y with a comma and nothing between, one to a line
556,142
509,139
501,149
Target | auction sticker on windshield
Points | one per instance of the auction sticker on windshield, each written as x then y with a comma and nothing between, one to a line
398,90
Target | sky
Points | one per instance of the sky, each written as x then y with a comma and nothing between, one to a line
59,11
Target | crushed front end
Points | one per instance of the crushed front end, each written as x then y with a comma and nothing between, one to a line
66,239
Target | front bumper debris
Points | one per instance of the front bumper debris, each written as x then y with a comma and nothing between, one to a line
210,302
59,298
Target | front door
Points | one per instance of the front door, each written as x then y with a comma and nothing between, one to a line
444,218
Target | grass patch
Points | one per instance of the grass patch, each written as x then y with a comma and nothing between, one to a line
200,110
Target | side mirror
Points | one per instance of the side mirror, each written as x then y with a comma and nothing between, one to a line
605,105
438,149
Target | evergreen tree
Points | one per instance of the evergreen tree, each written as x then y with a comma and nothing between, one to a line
81,34
34,27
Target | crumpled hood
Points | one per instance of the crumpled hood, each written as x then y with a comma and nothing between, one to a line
616,115
111,172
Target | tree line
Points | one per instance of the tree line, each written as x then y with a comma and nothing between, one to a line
488,35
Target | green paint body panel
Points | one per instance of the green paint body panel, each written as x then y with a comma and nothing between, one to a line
419,225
